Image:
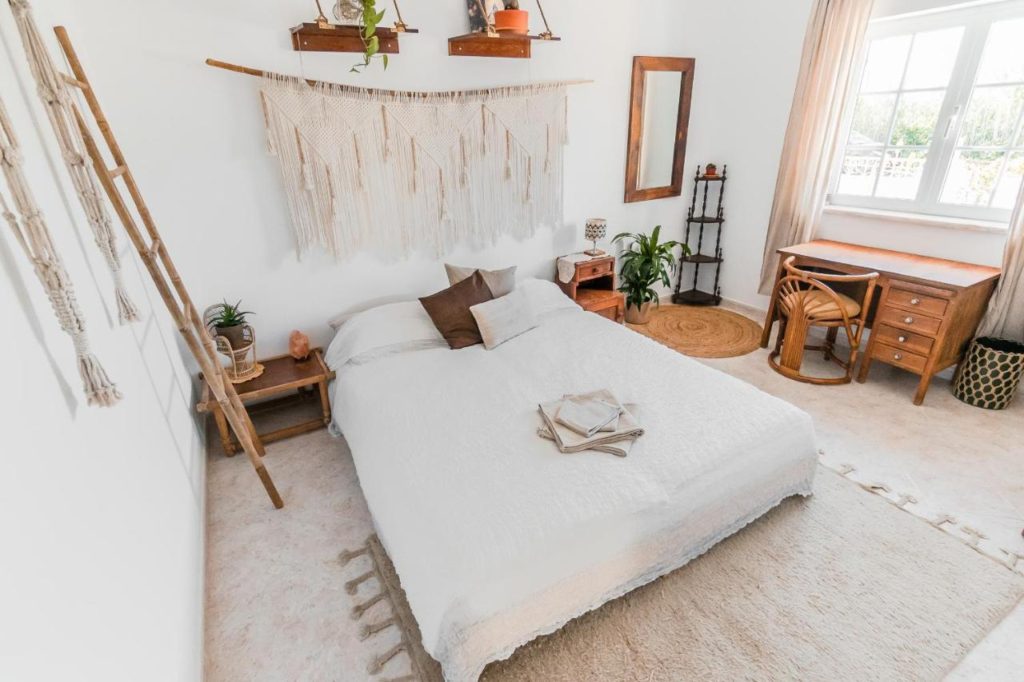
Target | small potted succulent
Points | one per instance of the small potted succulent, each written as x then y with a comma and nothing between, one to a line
645,262
512,19
229,321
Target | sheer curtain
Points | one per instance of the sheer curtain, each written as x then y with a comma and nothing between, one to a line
835,35
1005,316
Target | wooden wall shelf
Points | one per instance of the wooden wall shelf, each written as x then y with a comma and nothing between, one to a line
308,37
509,46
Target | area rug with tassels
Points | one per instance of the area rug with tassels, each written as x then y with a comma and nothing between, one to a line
842,585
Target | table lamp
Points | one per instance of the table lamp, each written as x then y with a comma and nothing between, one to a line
597,228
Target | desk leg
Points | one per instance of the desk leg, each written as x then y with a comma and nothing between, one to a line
225,432
769,320
922,388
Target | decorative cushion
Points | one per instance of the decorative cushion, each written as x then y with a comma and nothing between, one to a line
449,310
504,318
820,305
500,282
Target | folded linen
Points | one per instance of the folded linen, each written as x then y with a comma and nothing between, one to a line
590,413
620,448
568,440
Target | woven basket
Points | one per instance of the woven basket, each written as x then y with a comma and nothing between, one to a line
990,374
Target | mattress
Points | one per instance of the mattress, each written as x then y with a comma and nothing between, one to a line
499,538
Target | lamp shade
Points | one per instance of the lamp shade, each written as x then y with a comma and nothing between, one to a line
597,228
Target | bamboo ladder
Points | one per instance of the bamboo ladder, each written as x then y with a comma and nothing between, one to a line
161,267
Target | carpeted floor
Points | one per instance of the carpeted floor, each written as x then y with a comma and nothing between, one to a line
277,608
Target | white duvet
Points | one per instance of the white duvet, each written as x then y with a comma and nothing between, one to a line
499,538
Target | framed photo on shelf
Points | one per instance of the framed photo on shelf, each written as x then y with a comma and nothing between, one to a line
477,20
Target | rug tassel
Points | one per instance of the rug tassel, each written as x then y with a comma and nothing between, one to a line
378,663
349,555
359,609
904,500
369,631
941,519
875,487
352,586
976,536
846,469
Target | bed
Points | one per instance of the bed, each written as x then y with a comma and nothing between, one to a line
496,536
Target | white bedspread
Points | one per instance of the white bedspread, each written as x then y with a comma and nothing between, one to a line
499,538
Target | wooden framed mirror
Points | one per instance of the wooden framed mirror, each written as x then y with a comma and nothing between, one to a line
659,116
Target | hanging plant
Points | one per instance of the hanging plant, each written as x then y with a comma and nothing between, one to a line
368,23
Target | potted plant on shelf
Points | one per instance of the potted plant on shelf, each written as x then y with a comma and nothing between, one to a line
229,321
512,19
645,262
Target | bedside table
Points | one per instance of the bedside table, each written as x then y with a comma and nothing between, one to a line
593,287
282,374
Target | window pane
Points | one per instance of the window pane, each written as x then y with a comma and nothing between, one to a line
932,58
858,175
871,119
1009,184
972,177
992,116
901,173
916,117
884,68
1003,60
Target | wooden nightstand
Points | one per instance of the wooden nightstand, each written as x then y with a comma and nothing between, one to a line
282,374
593,287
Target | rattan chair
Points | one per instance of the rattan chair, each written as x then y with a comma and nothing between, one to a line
804,300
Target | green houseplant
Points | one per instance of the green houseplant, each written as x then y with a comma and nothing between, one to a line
229,321
645,262
369,20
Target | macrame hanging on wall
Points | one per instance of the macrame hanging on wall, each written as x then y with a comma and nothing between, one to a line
395,173
32,234
53,91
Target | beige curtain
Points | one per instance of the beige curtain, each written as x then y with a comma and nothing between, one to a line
835,35
1005,316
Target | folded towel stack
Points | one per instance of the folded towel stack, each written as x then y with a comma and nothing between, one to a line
590,421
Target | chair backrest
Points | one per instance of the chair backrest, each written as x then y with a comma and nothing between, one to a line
795,289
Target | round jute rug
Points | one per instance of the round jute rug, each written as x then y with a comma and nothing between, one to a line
702,332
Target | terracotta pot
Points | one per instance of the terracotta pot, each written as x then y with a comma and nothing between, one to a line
234,334
641,315
512,21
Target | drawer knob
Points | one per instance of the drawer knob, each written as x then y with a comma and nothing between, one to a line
902,339
908,320
915,301
897,356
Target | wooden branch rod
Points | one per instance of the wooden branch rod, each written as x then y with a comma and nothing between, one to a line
270,74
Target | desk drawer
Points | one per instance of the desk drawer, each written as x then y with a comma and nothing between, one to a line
900,357
898,338
912,300
589,270
912,321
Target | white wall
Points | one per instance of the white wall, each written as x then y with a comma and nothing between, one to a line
193,134
101,510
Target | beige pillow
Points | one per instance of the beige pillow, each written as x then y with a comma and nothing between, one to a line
500,282
503,318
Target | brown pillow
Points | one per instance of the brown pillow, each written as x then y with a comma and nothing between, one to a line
449,310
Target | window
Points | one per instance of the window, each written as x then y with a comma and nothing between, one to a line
937,125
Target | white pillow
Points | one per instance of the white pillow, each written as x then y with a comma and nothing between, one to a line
500,282
545,296
504,318
382,331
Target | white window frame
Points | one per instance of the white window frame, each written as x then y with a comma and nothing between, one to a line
976,20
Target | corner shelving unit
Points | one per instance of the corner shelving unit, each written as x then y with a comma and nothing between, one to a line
695,296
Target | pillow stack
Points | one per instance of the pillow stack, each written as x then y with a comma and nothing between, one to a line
480,306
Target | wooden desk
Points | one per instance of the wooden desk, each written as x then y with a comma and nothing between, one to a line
927,311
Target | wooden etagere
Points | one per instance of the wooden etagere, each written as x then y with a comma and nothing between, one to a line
697,223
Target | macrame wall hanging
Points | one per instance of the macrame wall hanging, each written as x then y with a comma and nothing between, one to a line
395,173
32,234
58,103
